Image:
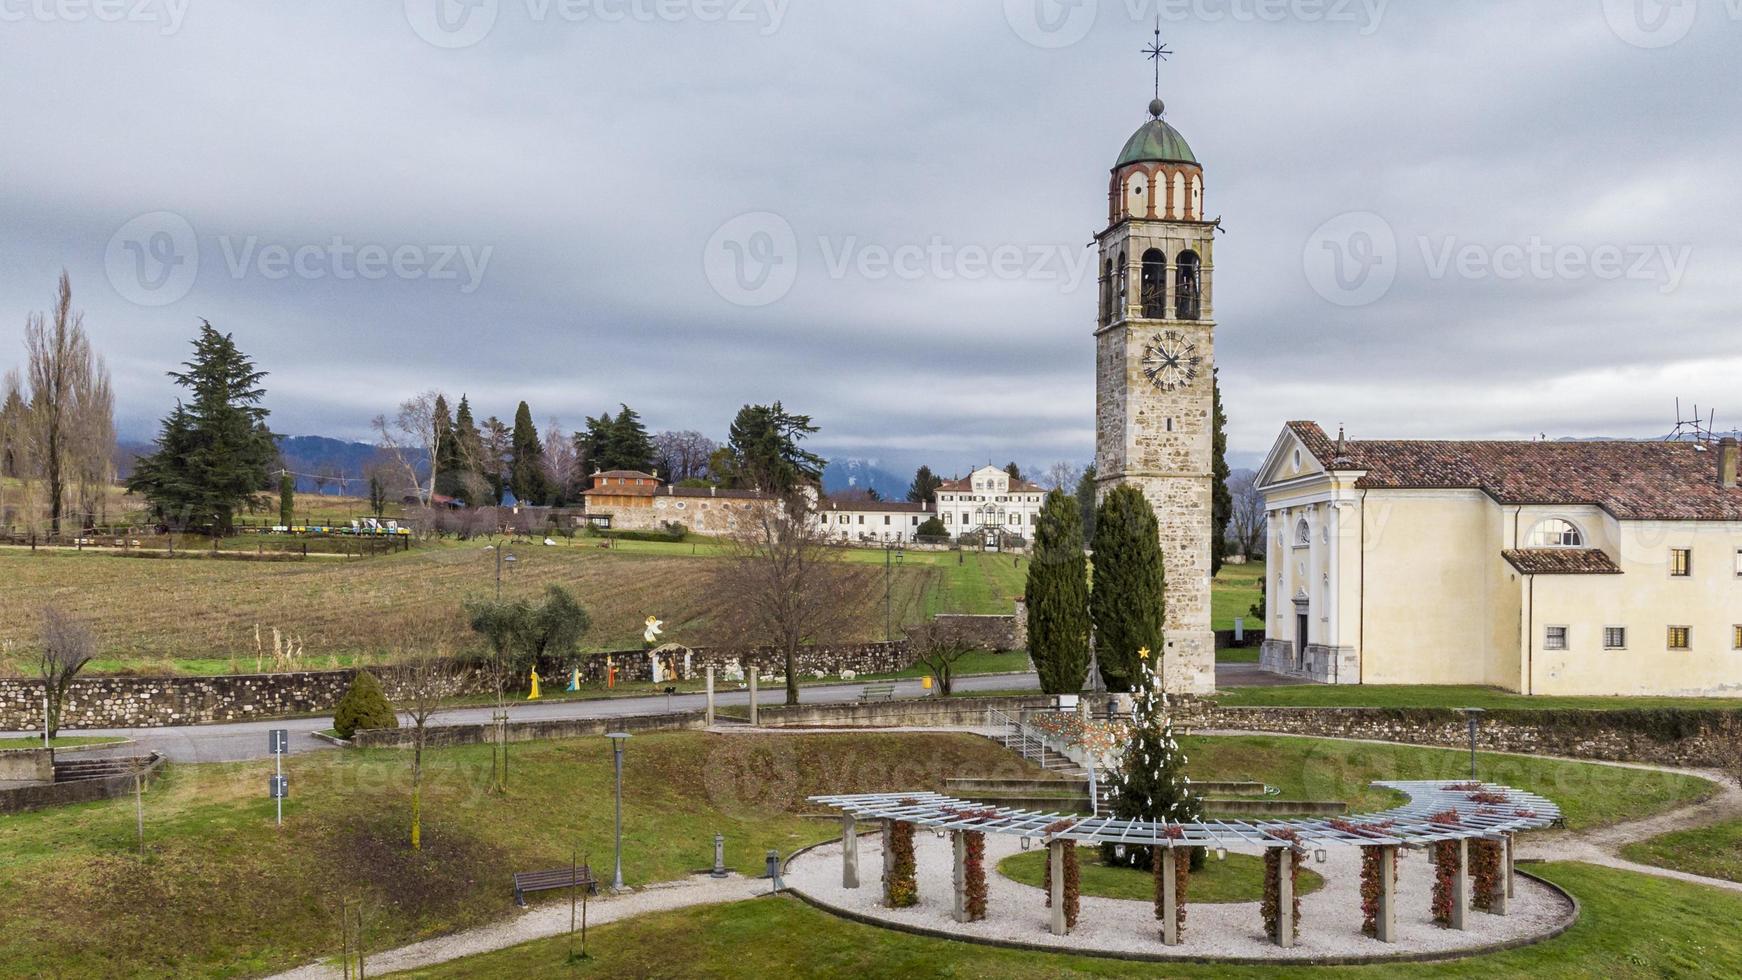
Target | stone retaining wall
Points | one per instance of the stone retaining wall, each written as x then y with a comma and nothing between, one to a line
529,731
23,798
27,765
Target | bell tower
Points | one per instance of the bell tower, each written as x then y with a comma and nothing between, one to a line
1154,353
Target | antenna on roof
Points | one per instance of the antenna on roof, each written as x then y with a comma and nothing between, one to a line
1698,429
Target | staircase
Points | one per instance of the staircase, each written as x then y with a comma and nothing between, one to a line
82,769
1031,745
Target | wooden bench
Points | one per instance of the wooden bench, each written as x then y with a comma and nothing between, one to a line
544,881
877,692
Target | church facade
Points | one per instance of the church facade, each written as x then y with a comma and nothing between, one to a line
1154,358
1567,568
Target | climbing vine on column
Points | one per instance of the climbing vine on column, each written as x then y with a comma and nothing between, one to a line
1271,906
1072,884
974,843
1445,854
1485,859
901,889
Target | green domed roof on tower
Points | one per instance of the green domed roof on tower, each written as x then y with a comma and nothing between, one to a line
1156,142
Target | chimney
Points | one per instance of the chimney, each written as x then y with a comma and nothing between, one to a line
1727,462
711,491
656,473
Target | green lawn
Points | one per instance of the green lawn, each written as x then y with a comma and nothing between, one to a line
1233,593
1238,878
224,893
1715,851
1307,769
1441,696
58,742
1243,655
1632,927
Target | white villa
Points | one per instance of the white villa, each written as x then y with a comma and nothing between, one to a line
989,498
1574,568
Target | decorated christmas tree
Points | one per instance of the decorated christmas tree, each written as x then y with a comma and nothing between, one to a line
1150,783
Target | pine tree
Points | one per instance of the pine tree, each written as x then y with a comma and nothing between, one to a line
1129,601
1057,595
1013,471
627,444
1150,783
1221,500
526,469
923,486
446,461
765,452
466,457
1086,501
214,455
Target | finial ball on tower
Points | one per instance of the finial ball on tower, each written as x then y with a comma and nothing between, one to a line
1157,107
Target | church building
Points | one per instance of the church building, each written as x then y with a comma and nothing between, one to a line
1567,568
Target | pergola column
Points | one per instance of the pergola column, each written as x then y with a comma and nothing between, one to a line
710,719
959,902
1285,897
753,672
1386,921
1509,865
1055,855
1169,897
1461,885
849,850
1497,898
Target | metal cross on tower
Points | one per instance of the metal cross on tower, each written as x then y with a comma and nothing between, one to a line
1157,52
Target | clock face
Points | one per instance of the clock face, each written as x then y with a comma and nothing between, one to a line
1170,361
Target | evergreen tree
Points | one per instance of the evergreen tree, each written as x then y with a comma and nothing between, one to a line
923,486
286,498
1057,595
1150,783
526,468
1014,471
1129,600
1086,500
497,448
377,495
765,452
591,445
1221,500
627,444
446,462
465,457
214,455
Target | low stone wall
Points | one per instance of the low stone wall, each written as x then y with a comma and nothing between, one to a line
529,731
925,712
1673,737
23,798
1248,638
996,633
27,765
155,702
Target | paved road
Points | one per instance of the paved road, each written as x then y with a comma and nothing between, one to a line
238,741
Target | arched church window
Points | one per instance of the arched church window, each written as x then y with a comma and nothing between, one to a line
1555,533
1188,286
1154,285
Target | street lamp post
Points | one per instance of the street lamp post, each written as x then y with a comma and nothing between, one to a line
1473,717
501,557
617,740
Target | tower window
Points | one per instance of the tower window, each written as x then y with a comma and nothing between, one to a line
1120,295
1188,296
1170,425
1154,285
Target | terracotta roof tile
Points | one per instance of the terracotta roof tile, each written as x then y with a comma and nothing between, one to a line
1669,481
1562,561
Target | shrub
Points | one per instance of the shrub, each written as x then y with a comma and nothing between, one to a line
363,707
931,527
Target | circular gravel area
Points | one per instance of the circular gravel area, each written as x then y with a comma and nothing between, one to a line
1330,918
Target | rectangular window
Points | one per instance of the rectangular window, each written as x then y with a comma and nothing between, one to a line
1554,638
1681,637
885,518
1739,562
1681,562
1736,638
1614,637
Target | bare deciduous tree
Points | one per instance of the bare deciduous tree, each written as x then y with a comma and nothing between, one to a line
1062,475
1730,747
784,584
67,646
414,436
937,649
1246,526
425,678
71,427
561,468
685,454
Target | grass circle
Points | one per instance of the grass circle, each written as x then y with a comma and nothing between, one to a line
1240,878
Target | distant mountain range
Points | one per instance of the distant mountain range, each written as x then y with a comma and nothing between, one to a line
846,474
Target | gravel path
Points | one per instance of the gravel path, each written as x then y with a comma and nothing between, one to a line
548,919
1330,917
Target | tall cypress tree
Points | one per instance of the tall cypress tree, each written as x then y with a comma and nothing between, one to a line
466,457
526,475
1086,500
1221,500
1129,602
1057,595
214,454
447,476
286,498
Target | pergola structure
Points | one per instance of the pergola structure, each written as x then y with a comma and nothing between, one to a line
1484,812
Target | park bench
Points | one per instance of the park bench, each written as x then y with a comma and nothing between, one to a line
877,692
544,881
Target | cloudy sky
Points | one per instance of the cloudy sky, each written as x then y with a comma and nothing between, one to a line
1471,219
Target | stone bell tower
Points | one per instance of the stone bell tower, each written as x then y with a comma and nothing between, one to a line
1154,351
